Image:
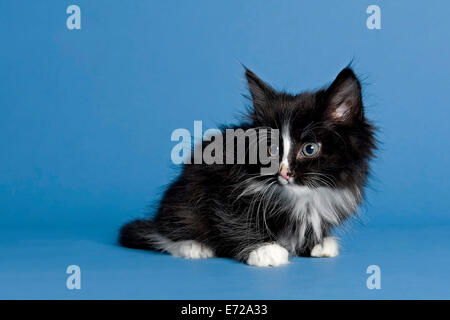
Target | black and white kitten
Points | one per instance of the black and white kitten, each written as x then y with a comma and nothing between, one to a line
224,210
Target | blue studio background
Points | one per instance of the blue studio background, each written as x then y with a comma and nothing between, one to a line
86,118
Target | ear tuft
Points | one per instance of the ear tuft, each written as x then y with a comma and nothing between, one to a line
259,90
344,101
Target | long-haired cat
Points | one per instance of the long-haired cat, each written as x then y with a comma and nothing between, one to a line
234,211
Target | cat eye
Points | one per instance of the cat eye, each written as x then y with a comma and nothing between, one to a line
273,150
310,149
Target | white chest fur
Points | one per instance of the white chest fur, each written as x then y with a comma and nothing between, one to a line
313,207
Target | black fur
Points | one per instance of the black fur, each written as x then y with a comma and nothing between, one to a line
207,203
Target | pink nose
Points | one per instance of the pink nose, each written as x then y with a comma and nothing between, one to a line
284,172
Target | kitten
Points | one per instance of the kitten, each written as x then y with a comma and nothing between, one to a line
234,211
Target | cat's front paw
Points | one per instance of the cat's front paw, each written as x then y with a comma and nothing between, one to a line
328,248
271,254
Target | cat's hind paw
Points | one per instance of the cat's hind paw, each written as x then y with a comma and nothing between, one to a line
328,248
190,249
271,254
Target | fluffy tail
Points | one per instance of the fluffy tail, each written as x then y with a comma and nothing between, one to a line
138,234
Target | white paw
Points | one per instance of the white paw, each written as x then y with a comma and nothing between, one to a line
190,249
271,254
328,248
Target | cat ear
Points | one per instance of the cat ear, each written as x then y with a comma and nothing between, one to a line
344,101
260,91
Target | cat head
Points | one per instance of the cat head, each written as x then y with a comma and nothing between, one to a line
325,138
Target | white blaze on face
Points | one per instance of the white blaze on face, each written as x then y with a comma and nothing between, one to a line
287,143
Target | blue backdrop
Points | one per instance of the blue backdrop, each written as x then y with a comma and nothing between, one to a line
86,117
